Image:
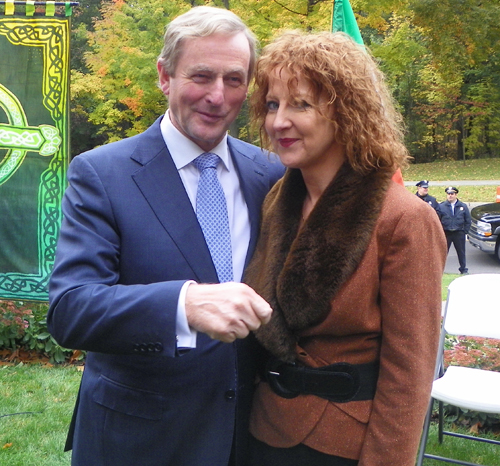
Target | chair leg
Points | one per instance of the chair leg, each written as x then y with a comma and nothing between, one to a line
425,434
440,421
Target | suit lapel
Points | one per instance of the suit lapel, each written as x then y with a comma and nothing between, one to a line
161,185
253,181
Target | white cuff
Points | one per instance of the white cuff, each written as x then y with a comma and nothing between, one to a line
186,336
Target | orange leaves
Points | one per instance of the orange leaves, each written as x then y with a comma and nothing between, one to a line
134,103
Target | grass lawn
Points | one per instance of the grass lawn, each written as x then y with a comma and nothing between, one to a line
464,450
484,169
36,403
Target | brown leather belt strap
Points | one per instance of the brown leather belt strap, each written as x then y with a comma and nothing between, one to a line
340,382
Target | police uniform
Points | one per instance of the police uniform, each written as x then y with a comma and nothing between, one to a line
427,198
456,222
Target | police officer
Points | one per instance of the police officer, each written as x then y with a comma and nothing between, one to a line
423,193
455,218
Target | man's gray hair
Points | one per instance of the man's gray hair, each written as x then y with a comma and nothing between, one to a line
203,21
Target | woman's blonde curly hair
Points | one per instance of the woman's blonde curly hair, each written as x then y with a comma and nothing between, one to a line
365,119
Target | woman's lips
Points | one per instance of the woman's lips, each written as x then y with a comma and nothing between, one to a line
286,142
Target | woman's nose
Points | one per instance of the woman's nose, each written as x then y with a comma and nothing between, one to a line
281,118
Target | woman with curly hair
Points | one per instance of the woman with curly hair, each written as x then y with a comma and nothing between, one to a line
356,293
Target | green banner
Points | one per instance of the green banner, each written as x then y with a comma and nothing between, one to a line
343,20
34,148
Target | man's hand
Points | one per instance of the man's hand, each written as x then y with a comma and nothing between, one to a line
225,311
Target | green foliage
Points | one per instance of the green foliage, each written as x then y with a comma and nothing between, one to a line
119,95
13,323
441,59
24,327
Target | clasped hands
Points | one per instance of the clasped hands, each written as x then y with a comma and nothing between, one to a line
225,311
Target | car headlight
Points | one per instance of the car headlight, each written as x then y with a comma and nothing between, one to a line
483,228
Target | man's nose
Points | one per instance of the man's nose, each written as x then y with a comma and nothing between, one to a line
216,92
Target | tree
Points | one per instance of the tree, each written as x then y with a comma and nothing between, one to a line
119,95
441,59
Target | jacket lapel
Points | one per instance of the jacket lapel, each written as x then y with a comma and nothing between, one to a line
299,271
161,185
253,181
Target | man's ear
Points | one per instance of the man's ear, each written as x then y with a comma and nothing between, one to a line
163,79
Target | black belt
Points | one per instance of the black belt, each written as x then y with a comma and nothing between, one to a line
340,382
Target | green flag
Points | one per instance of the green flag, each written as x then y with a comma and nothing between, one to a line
34,144
343,19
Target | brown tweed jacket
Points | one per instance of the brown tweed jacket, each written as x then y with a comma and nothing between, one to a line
359,282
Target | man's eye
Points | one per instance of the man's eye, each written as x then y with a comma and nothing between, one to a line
234,81
272,106
201,78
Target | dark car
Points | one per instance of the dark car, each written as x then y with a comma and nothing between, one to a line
484,232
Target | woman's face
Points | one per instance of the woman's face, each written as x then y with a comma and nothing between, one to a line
301,135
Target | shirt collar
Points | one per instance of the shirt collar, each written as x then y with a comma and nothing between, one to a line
183,150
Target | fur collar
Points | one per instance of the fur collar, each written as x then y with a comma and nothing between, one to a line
300,272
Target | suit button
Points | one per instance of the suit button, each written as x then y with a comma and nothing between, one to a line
158,347
151,347
136,348
230,395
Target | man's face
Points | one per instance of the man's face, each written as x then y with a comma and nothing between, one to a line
452,197
422,191
209,86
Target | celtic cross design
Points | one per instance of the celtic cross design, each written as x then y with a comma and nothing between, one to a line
18,137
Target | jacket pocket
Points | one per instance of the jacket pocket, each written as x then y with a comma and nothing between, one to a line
129,400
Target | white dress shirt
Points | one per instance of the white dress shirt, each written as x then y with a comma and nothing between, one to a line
183,152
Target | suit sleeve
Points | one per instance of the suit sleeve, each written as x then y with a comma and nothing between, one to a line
89,308
410,302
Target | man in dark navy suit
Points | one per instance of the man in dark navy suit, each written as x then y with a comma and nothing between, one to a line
168,373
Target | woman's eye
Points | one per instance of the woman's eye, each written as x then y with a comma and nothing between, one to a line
272,105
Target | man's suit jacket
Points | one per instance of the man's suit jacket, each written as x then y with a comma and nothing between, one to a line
128,242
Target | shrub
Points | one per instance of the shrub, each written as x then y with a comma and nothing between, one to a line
479,353
23,326
14,319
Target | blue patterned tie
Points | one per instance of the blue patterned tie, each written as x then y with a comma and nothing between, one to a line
211,211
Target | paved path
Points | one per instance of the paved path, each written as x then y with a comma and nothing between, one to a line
458,183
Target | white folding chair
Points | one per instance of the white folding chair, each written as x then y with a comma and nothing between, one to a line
472,309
